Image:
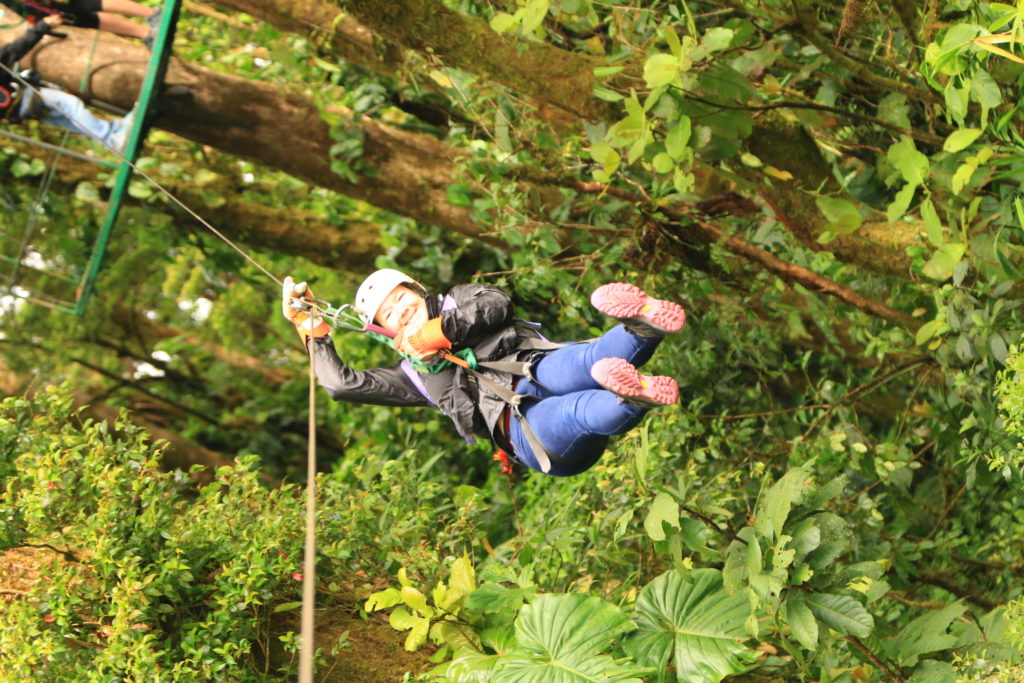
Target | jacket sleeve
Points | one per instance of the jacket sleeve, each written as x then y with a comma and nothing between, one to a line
387,386
13,51
480,311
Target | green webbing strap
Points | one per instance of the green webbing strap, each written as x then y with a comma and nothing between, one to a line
83,87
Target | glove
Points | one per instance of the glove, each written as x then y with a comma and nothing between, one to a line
423,343
305,324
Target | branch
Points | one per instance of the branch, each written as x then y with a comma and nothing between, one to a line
971,594
923,137
710,522
868,386
767,413
813,36
945,512
710,233
899,597
141,389
66,554
874,660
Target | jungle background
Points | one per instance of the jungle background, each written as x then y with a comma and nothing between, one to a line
830,188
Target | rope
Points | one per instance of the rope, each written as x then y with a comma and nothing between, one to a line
309,558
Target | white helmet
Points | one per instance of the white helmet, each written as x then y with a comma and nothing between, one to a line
375,289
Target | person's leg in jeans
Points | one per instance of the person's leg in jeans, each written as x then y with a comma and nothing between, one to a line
567,369
591,391
67,111
574,427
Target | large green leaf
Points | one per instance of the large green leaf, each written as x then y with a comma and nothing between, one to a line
472,666
911,164
561,638
663,509
802,623
842,613
691,618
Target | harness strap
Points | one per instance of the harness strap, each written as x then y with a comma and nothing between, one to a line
540,452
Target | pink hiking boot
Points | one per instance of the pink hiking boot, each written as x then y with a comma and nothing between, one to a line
618,376
641,314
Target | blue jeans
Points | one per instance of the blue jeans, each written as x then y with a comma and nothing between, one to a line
67,111
575,416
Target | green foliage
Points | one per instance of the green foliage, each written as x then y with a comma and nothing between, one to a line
831,485
689,620
159,584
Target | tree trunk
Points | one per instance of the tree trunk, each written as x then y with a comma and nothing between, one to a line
264,123
534,70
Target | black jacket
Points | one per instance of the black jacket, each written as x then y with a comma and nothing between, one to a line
481,320
12,52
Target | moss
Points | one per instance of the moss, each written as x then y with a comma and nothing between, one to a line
371,652
469,43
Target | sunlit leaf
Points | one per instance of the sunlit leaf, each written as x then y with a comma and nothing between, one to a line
774,504
660,69
842,215
664,509
940,266
961,139
691,621
678,138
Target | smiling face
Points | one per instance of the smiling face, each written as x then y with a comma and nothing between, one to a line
401,308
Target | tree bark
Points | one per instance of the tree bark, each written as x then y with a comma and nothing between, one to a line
543,72
266,124
469,44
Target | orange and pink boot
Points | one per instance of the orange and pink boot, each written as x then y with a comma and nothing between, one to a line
645,316
618,376
641,314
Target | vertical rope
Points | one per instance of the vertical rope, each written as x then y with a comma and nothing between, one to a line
309,559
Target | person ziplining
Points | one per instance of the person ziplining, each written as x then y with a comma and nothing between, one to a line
101,15
19,102
551,407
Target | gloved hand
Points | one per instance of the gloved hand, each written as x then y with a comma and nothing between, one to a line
422,342
306,325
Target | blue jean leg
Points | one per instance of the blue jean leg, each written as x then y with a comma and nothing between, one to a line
575,416
567,369
67,111
574,427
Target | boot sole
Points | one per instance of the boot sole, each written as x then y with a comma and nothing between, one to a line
618,376
632,306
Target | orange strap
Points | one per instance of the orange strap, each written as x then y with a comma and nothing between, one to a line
428,339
